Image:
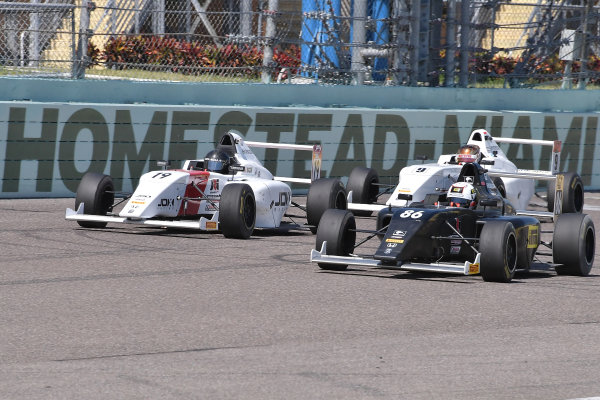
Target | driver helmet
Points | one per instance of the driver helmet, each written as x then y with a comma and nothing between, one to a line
462,194
217,161
469,153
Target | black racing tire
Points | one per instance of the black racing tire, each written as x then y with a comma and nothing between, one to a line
498,248
499,183
337,228
324,194
574,244
96,192
573,197
237,211
573,193
362,182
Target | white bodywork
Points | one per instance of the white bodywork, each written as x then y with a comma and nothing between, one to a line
417,181
174,197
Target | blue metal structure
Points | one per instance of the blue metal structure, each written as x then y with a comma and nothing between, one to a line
319,33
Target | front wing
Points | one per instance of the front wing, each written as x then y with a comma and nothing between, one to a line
203,224
468,268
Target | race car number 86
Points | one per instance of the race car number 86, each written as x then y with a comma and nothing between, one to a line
411,214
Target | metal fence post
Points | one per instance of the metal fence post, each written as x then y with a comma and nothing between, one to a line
269,35
465,22
246,17
359,36
450,43
400,11
158,18
584,45
34,37
79,63
415,33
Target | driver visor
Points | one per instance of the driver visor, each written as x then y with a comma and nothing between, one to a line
214,165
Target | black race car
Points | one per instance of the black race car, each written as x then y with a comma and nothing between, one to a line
474,232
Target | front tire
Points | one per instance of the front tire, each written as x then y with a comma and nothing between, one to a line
324,194
96,192
362,182
337,228
498,248
574,244
237,211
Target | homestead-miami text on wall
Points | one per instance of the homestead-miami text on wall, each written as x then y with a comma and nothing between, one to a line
45,148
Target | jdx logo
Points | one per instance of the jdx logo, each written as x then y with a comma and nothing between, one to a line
166,203
284,198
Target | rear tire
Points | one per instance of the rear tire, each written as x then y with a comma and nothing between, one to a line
574,244
573,197
361,182
336,228
324,194
498,248
237,211
96,192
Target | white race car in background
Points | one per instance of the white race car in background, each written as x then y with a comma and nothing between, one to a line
429,182
228,191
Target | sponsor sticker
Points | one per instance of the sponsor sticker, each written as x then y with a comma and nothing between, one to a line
533,237
473,268
454,249
138,202
317,161
400,234
211,225
394,240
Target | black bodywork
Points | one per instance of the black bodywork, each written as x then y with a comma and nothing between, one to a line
438,233
447,234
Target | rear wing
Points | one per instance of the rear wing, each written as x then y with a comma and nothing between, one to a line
556,149
552,175
317,159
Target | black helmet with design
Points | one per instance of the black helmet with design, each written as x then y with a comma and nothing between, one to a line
217,161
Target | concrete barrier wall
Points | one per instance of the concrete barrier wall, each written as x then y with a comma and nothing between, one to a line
45,147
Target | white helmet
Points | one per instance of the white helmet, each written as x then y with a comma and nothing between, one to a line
462,194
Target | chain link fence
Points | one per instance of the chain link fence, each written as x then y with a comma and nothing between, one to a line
450,43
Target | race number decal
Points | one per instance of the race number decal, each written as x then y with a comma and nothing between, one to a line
411,214
162,175
555,162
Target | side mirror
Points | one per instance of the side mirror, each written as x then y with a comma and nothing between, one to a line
489,203
163,163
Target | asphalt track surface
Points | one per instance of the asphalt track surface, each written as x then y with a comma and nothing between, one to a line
140,313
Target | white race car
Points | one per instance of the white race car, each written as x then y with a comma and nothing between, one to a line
429,182
228,191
